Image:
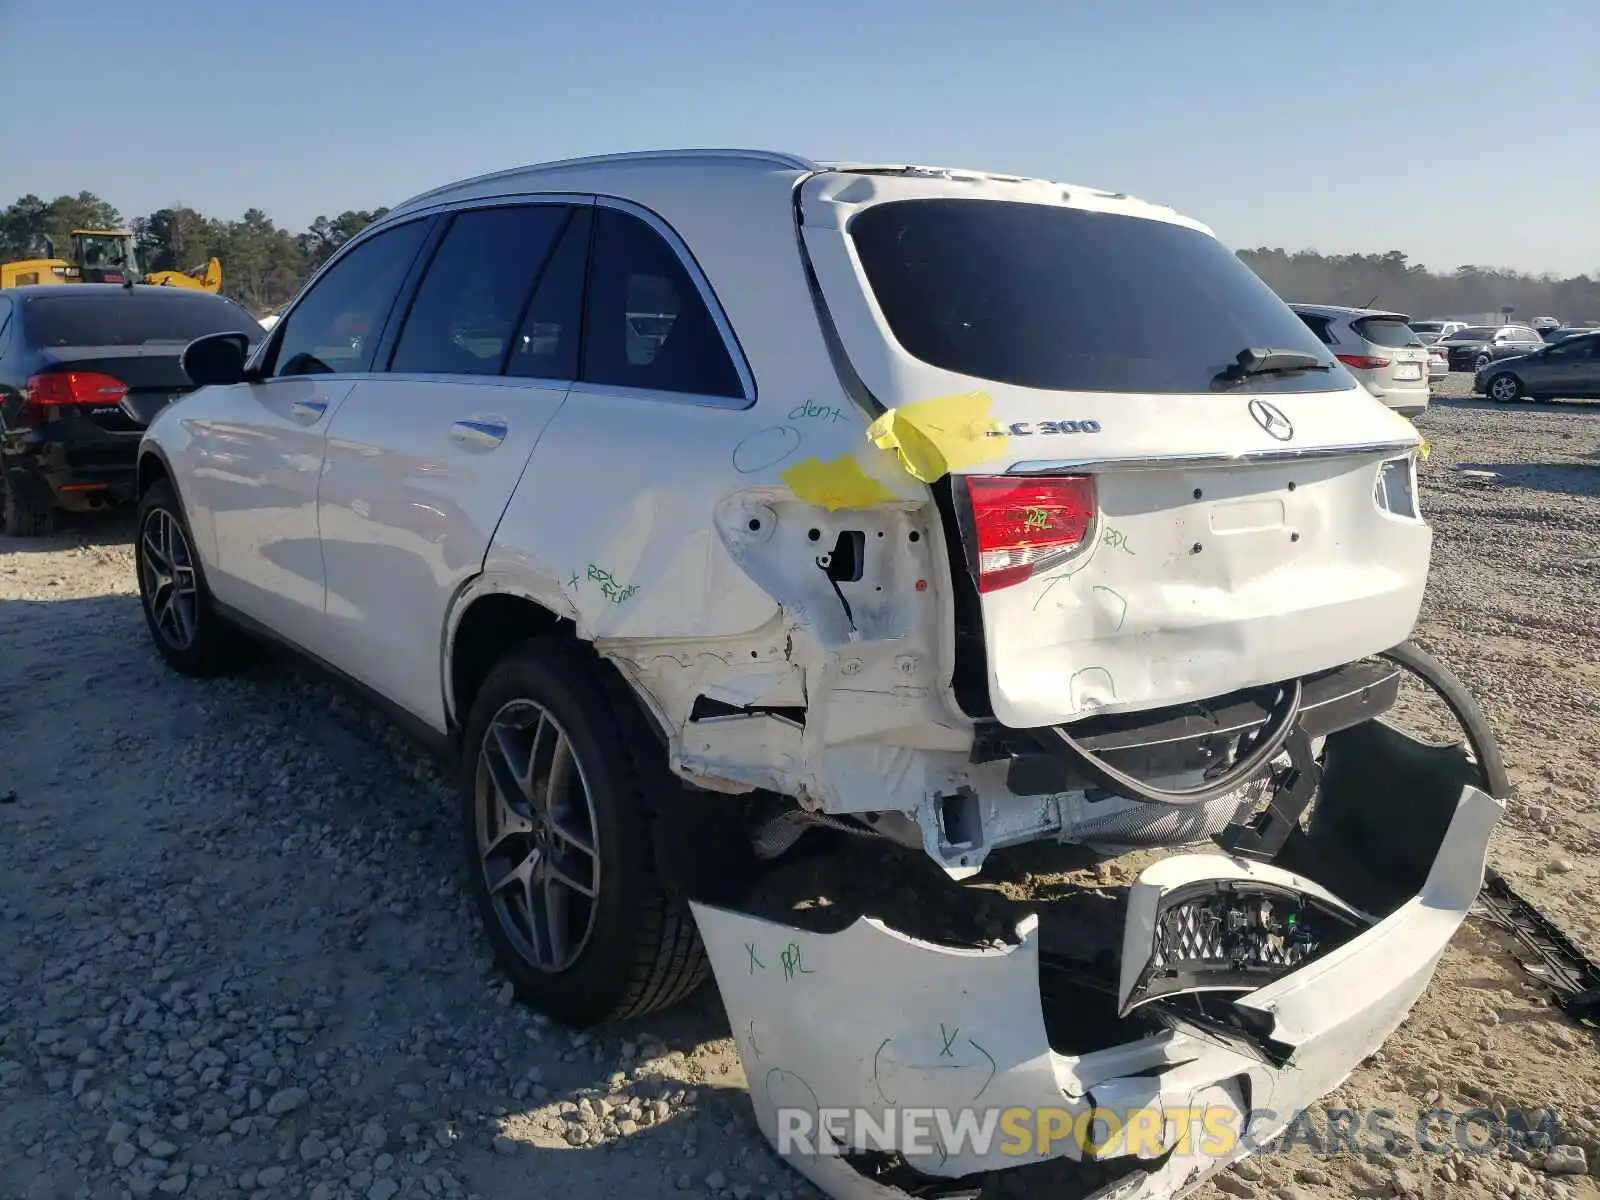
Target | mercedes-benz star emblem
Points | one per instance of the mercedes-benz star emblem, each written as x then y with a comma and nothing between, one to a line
1271,418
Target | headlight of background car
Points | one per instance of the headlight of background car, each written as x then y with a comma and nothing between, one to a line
1395,490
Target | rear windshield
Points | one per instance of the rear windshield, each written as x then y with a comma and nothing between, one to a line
1478,333
1386,331
123,318
1427,326
1059,298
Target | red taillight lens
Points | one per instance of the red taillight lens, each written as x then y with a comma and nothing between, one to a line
1022,523
1363,363
75,387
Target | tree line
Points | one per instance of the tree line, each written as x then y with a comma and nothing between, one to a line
264,265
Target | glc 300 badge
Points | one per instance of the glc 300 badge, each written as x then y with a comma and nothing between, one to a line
1025,428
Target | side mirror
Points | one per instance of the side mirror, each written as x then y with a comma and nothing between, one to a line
217,358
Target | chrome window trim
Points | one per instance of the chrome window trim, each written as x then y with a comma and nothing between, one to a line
1175,462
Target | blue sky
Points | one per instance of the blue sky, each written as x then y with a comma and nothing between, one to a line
1457,132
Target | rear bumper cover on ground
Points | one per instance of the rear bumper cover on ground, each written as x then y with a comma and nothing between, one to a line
876,1023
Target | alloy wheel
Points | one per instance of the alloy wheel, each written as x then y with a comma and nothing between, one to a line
538,843
1503,389
166,567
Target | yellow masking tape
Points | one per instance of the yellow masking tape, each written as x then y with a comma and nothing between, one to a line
838,483
935,437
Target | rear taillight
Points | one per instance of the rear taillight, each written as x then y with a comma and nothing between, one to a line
1023,523
55,389
75,387
1363,362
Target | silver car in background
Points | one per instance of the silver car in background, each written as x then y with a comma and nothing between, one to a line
1380,349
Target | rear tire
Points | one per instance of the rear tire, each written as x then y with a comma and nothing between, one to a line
189,633
559,769
22,519
1504,388
1482,363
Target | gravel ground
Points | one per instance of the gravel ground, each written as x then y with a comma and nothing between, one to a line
237,958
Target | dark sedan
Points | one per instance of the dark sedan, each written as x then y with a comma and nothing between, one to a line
1569,369
84,367
1470,348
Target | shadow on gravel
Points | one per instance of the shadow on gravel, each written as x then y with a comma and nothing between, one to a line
114,527
1566,479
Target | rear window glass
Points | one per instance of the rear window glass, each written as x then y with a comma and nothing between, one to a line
1427,326
1478,333
1059,298
1385,331
132,319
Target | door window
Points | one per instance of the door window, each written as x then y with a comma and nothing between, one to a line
546,346
472,296
336,325
646,325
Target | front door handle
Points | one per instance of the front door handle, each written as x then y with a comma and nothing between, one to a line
485,435
307,412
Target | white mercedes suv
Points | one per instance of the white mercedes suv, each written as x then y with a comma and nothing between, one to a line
696,500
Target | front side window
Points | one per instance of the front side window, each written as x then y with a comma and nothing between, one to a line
336,325
1042,296
471,298
646,325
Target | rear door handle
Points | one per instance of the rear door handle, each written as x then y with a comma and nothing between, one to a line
484,435
307,412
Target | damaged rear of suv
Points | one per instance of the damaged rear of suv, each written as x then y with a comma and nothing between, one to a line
887,515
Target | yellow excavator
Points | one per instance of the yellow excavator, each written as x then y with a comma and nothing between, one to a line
105,256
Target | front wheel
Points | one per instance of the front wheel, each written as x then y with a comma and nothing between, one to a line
1503,389
557,827
188,632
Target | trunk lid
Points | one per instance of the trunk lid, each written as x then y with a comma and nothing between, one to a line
1234,538
152,374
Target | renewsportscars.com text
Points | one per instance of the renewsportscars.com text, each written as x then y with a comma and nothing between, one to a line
1220,1131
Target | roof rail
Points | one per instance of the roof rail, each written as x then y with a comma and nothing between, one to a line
765,158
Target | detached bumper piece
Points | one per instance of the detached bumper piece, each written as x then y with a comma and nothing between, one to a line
876,1061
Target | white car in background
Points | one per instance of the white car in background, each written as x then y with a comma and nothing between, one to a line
700,501
1380,350
1434,331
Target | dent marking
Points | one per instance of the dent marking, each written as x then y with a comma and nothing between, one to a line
1091,687
765,449
989,1066
1116,602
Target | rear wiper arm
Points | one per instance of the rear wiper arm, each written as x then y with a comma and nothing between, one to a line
1265,361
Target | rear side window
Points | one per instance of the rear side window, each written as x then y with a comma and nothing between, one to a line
1318,326
1386,331
645,324
123,318
336,325
471,299
1047,297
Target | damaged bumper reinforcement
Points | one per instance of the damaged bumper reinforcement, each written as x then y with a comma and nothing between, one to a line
1242,987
